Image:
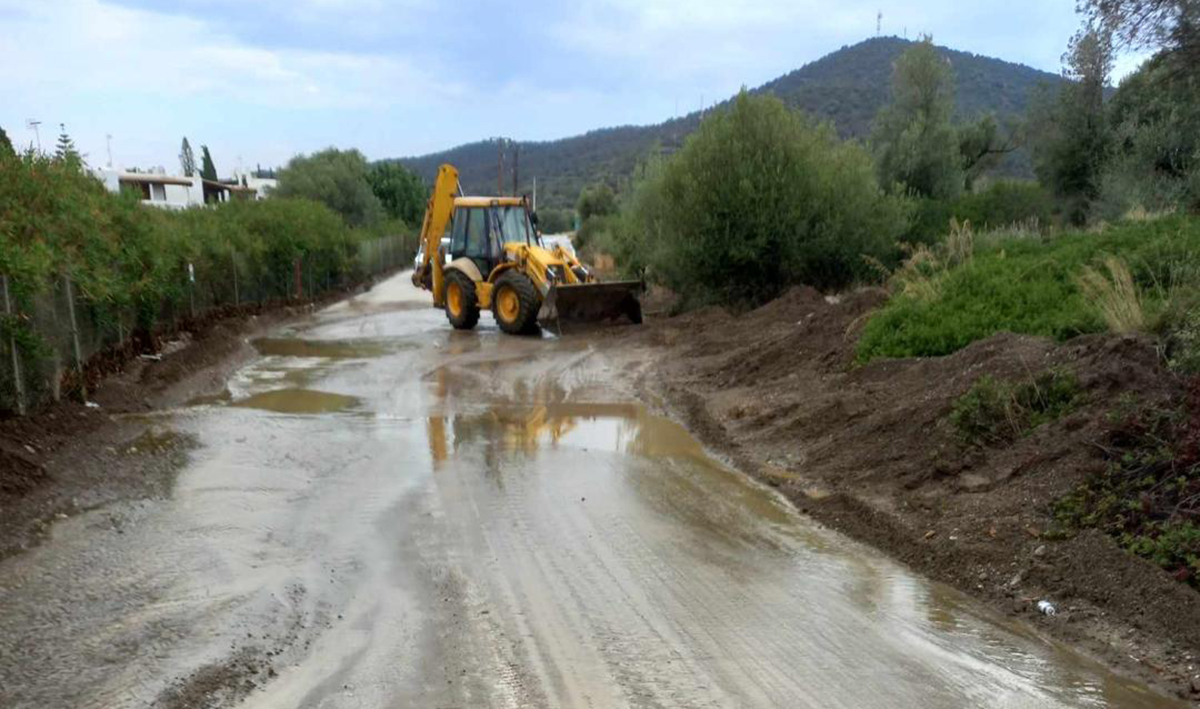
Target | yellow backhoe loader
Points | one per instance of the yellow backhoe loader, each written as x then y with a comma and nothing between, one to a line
494,260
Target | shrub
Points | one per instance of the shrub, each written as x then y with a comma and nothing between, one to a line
1148,496
1000,204
555,221
759,198
1029,286
994,412
341,180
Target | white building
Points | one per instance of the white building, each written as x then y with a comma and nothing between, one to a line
174,192
165,191
262,186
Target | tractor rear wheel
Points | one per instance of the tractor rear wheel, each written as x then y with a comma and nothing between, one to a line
462,303
515,303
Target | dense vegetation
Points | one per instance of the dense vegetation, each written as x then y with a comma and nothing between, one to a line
846,88
135,268
365,195
1030,285
760,197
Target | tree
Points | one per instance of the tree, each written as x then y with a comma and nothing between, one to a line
1069,133
337,178
400,190
1171,25
207,169
555,221
65,148
760,198
1155,120
596,201
6,146
914,140
187,160
982,145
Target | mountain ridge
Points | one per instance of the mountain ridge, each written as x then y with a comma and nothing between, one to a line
846,87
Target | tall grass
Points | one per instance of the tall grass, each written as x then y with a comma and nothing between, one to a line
1114,294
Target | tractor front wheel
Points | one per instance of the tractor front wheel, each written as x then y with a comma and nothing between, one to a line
515,303
462,303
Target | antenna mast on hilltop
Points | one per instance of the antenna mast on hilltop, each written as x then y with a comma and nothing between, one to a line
879,24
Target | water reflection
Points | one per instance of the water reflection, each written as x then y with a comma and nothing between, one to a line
298,401
329,349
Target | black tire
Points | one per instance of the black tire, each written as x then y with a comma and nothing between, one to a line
633,310
468,309
522,318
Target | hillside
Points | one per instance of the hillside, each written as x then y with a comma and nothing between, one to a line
846,87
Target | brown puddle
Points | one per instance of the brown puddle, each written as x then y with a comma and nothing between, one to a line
512,428
327,349
298,401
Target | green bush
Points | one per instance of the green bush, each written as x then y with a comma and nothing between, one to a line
759,198
555,221
1000,204
342,180
122,256
994,412
1028,286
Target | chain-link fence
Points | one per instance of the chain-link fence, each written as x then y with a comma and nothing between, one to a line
52,338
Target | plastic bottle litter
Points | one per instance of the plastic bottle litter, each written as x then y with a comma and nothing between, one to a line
1046,608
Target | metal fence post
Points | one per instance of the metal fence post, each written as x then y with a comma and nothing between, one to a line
18,382
75,337
192,289
237,299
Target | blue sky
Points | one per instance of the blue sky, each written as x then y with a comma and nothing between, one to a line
262,80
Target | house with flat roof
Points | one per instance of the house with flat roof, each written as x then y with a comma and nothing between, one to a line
166,191
174,192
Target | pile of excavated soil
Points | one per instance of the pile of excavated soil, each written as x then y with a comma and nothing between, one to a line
869,451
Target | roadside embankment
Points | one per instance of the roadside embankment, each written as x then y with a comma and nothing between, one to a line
876,451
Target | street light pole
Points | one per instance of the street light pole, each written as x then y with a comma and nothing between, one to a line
33,125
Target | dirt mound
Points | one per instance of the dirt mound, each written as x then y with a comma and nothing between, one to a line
869,449
21,472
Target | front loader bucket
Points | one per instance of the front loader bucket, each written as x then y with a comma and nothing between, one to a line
591,302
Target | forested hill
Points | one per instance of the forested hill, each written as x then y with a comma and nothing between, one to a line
847,87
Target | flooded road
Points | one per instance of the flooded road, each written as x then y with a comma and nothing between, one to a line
386,513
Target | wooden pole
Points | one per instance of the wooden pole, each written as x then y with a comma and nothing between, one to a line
237,298
18,382
75,338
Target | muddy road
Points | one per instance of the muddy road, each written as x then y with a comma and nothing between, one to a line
386,513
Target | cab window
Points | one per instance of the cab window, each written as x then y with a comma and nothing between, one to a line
476,245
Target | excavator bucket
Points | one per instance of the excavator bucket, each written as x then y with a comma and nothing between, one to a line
592,302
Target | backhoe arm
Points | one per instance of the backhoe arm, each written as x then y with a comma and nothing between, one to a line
437,216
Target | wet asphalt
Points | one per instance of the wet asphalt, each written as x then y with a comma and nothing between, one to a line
386,513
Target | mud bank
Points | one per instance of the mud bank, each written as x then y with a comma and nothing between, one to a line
869,451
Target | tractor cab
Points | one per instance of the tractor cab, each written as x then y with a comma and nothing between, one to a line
481,226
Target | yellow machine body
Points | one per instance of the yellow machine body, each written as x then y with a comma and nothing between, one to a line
484,253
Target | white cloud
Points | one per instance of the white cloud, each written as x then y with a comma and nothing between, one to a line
87,46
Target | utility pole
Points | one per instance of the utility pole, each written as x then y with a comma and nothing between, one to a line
108,142
500,166
879,24
535,193
33,125
516,166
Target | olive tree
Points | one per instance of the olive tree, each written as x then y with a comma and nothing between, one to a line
339,179
760,198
